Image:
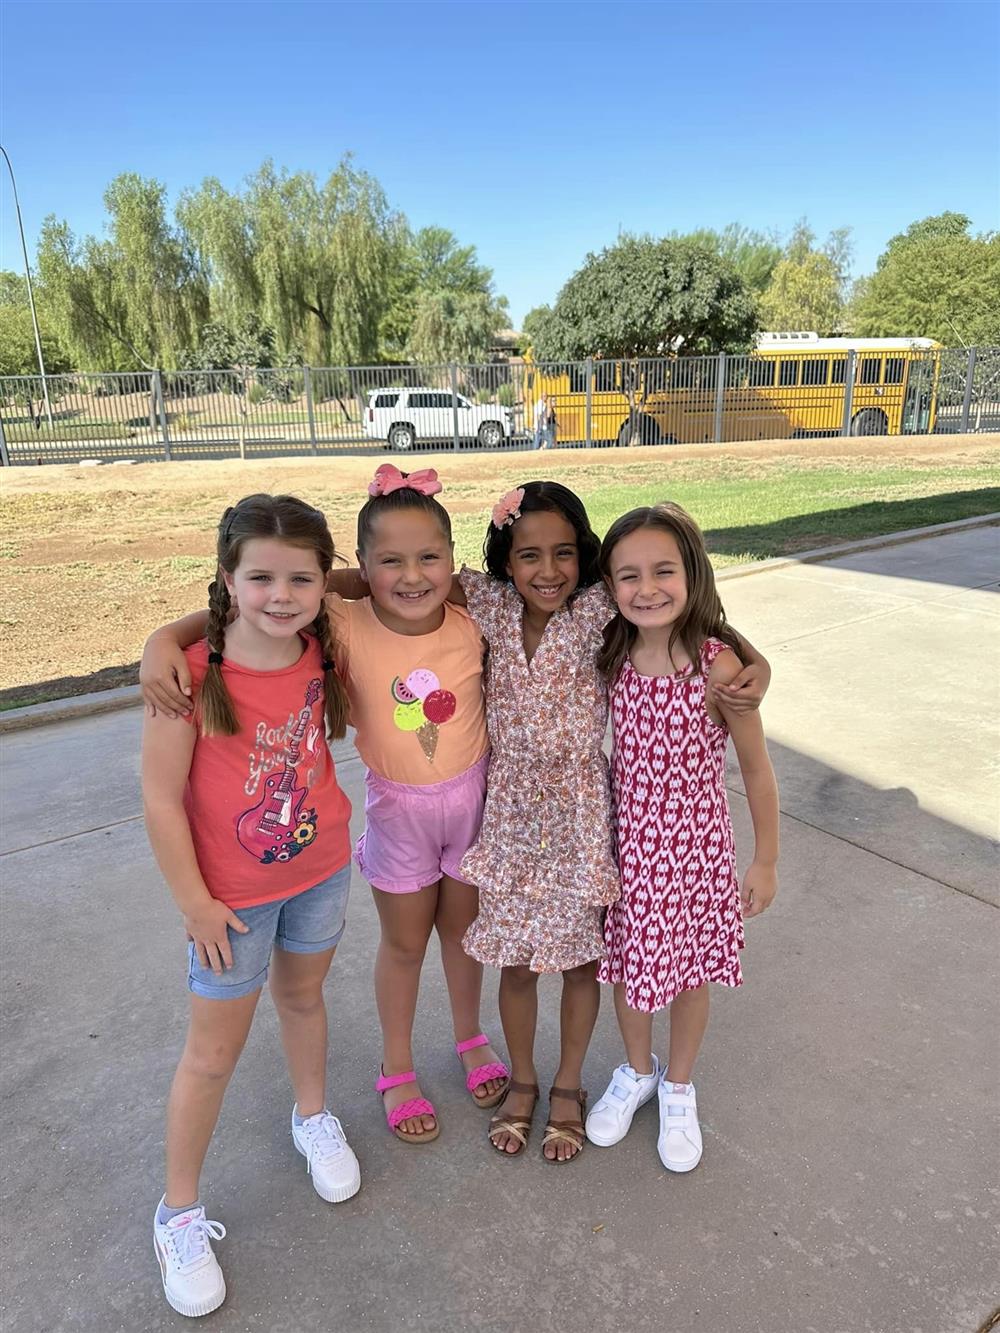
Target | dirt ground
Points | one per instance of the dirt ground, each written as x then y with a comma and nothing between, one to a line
94,558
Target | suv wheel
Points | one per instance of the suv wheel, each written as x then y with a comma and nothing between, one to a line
402,436
490,434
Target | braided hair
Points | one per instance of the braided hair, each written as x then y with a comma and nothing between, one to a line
293,521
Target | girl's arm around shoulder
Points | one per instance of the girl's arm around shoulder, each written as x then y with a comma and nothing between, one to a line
761,880
348,584
167,751
749,684
163,671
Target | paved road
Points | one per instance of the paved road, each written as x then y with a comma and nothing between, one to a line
848,1091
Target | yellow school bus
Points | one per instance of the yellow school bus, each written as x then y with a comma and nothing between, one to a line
792,385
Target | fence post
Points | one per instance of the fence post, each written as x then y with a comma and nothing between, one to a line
4,455
588,424
967,400
162,413
453,371
720,390
845,421
307,385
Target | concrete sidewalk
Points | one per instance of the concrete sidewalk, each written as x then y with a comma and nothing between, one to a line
849,1091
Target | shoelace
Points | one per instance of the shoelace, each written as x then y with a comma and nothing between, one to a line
325,1138
191,1241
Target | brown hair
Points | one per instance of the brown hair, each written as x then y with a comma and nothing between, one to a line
403,498
703,616
292,521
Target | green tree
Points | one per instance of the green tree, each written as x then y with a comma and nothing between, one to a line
436,283
935,280
642,298
806,287
454,326
753,254
311,260
18,355
533,326
133,300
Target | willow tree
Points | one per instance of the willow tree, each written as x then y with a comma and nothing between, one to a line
311,260
133,300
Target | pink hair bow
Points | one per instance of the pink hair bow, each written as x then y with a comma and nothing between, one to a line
508,510
389,479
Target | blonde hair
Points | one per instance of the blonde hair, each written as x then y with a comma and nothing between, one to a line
290,520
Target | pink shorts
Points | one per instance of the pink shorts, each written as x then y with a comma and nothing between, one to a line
414,835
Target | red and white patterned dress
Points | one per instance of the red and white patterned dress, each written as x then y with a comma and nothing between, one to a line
679,922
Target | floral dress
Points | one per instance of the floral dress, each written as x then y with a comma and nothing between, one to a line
544,860
679,922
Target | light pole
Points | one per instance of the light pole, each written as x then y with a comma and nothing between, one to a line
31,294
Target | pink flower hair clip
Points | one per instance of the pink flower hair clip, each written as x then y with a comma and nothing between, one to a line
508,510
388,479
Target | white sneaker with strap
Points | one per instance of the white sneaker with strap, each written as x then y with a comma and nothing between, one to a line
679,1144
192,1279
610,1118
330,1160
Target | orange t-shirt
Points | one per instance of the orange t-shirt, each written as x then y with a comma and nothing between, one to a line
416,699
267,816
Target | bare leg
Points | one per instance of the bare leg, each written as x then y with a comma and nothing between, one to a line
297,990
581,1000
688,1021
406,920
216,1036
458,905
519,1016
637,1033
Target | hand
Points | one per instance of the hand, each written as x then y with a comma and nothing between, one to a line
208,930
743,693
760,884
165,678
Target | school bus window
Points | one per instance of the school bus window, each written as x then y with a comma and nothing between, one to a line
870,367
657,376
894,369
604,376
789,373
814,372
838,370
760,374
577,378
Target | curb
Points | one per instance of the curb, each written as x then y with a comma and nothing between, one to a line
130,696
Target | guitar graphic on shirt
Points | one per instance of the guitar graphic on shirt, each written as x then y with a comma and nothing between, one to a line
276,829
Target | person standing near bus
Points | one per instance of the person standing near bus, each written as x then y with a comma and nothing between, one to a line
540,414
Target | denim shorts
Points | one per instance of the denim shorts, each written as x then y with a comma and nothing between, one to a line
308,922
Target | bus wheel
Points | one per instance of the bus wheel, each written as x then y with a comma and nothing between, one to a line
650,433
870,421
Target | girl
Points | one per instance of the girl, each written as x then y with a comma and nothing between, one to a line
544,859
412,665
257,855
677,925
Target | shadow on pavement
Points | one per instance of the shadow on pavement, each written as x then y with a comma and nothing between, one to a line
847,1092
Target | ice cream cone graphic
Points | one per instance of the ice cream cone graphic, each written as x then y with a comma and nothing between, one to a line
427,735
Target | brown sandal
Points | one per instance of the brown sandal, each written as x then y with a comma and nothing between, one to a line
517,1128
566,1131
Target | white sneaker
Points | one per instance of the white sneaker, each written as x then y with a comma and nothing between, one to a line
611,1117
192,1279
679,1144
321,1140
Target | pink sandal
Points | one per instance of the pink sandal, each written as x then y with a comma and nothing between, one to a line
483,1073
406,1110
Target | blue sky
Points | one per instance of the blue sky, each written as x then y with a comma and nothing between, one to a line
534,131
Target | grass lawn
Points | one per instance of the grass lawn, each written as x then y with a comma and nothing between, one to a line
94,559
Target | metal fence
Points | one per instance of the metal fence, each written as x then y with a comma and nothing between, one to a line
163,415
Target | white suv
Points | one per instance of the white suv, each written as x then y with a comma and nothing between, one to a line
401,417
